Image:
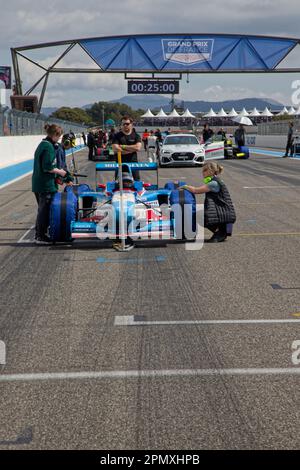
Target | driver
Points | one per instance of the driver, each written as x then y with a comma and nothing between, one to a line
128,181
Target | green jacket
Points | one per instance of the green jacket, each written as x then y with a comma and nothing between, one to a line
44,161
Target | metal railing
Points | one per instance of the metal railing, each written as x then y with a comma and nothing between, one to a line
13,122
277,127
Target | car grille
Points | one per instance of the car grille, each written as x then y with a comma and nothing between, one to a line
183,156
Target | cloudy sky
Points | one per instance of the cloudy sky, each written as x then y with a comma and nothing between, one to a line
24,22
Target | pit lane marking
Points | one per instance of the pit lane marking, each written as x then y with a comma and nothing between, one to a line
131,320
138,374
266,234
23,240
269,187
131,260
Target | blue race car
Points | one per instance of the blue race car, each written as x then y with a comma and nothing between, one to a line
123,209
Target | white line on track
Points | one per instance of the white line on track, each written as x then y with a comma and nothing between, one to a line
136,374
267,187
130,321
22,239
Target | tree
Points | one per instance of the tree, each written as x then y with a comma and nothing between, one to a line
113,111
72,114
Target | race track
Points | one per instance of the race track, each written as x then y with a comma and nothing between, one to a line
190,364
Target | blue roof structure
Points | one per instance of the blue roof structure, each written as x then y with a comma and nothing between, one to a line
188,53
167,54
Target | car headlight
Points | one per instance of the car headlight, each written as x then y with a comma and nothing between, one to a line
166,152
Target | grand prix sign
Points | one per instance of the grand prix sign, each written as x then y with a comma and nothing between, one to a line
187,51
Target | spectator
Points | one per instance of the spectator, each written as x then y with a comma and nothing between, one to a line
145,136
222,133
152,147
207,133
129,142
290,140
158,135
91,142
84,138
218,207
111,135
239,136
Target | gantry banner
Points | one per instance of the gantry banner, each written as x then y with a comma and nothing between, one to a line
183,53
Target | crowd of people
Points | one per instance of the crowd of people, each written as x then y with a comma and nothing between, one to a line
239,134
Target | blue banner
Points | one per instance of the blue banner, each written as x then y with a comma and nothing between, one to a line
184,53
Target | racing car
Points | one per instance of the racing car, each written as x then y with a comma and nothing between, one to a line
123,209
233,151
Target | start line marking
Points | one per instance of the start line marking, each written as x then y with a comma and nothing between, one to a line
131,320
137,374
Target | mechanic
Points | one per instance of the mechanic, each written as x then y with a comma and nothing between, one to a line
152,147
218,207
43,180
239,136
129,142
290,139
207,133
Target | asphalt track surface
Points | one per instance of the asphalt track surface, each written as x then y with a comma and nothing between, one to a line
79,377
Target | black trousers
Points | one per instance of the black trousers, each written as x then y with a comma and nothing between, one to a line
289,147
91,152
42,220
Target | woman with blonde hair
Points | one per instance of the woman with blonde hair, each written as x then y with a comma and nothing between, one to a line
218,207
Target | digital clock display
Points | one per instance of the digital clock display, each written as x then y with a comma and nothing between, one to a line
165,87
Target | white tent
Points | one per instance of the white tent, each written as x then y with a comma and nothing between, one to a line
292,111
254,113
283,111
161,114
232,113
222,113
187,114
244,112
297,112
174,114
211,113
266,113
148,114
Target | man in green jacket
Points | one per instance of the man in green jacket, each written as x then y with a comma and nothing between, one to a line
43,181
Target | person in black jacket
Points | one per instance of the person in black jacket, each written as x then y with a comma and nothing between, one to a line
207,133
218,207
239,136
290,139
91,142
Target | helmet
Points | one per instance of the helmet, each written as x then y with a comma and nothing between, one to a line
128,181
